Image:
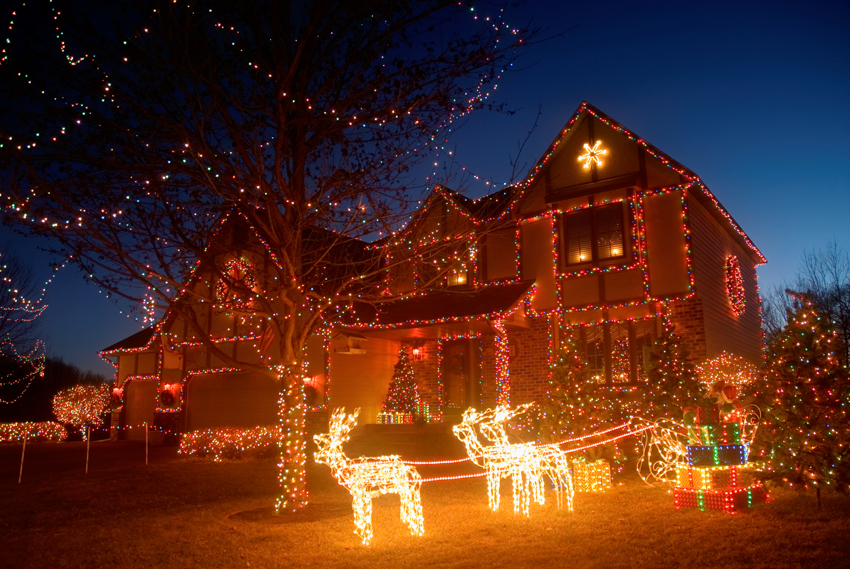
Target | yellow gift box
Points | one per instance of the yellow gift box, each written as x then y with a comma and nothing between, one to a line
592,476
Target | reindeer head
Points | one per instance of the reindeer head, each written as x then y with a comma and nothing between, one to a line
494,430
329,445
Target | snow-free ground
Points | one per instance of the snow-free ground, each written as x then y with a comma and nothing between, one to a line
180,512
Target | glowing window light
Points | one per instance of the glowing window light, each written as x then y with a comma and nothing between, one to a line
367,478
525,463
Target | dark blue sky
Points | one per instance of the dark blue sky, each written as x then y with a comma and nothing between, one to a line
752,96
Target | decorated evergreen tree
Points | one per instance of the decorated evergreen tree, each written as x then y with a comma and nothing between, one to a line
672,379
570,406
805,396
576,405
402,395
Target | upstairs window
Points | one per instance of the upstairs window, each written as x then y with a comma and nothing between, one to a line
594,234
458,275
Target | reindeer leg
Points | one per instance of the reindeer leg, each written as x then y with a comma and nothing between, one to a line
412,511
521,497
570,490
494,479
363,516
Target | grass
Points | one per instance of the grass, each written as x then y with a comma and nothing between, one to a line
195,513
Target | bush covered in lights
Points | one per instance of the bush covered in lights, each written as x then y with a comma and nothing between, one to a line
44,432
231,442
81,405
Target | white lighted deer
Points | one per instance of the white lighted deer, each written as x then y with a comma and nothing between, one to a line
367,478
525,463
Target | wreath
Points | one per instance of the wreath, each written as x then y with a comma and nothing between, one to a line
167,398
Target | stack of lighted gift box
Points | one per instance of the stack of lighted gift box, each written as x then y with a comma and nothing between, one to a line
710,479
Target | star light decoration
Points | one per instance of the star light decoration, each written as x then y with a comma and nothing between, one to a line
592,154
525,463
368,478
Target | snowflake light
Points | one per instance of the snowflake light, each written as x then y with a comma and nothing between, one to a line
592,154
525,463
367,478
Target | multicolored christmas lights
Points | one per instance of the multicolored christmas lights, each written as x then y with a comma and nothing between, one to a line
230,442
735,285
82,405
44,432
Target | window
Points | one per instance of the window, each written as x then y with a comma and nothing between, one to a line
594,234
596,360
458,275
618,352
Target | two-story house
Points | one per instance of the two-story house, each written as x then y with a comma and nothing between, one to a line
607,236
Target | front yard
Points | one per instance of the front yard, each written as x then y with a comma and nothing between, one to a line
195,513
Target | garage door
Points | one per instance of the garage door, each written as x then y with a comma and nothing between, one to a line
230,400
140,402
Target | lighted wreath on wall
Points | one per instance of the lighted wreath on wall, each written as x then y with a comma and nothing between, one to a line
240,279
735,285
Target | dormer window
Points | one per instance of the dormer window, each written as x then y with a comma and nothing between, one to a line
594,234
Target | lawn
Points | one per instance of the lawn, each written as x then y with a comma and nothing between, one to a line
180,512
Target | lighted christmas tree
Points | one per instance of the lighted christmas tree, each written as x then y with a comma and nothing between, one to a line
805,395
672,379
571,406
577,405
402,395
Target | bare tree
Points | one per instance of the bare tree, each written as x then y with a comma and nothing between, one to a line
298,122
825,275
19,309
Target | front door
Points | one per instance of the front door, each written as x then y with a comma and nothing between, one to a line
458,371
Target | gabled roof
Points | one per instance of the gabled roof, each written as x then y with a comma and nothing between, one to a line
702,191
486,207
136,341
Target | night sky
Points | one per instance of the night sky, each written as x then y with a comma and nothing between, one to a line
754,97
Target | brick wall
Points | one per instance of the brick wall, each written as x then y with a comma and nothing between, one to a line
688,317
425,372
488,370
530,363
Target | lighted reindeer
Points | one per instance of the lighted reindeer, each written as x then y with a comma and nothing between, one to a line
525,463
367,478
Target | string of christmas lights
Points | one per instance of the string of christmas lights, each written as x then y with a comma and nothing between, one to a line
44,432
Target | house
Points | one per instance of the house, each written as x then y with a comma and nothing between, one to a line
607,237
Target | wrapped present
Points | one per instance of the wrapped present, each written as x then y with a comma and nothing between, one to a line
729,500
592,476
706,478
423,412
720,434
708,414
393,418
716,455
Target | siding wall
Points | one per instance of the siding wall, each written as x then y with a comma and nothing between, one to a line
724,331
